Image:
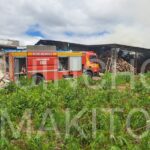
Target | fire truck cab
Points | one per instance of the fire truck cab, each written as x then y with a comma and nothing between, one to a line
90,63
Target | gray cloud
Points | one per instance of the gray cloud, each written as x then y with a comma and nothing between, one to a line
126,21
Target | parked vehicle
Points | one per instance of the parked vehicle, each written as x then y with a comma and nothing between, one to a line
51,65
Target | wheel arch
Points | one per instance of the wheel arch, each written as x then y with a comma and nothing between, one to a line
38,74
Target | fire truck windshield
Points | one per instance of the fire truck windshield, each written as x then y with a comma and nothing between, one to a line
93,58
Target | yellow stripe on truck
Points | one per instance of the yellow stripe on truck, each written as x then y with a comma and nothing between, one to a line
30,54
19,54
59,54
69,54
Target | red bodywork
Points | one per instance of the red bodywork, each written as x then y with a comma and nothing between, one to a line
47,65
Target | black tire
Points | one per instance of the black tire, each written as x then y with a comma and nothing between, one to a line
37,79
89,73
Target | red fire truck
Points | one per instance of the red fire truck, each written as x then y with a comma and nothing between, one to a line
48,65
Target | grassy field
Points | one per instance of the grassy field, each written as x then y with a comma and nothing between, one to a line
76,115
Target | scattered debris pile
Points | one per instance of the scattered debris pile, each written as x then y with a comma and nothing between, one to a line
4,80
124,66
121,66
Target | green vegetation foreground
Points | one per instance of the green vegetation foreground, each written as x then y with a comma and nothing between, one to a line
74,115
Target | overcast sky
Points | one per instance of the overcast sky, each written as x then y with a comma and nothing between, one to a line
79,21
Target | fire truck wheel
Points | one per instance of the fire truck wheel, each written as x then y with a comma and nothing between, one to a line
89,73
37,79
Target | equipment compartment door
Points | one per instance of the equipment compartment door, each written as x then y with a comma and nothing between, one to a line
75,64
19,66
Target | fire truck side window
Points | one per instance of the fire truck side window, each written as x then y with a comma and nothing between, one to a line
63,63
